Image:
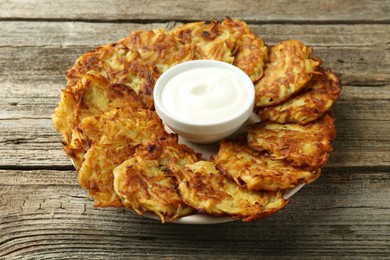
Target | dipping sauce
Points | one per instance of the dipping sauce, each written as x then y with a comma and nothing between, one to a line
205,95
204,101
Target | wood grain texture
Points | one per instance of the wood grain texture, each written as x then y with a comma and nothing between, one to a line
269,11
43,211
45,214
64,34
359,52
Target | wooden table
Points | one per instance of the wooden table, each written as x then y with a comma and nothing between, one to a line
43,210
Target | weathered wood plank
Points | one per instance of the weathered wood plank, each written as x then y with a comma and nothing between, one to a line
45,213
360,52
30,142
257,11
359,66
64,34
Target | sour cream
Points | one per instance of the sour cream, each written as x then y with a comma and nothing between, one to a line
204,101
204,95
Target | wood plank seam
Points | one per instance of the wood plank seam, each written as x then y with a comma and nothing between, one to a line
248,21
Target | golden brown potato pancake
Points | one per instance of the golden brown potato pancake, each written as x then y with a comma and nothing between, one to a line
257,171
146,184
207,41
290,67
116,63
159,48
318,96
132,126
300,144
250,52
93,95
96,172
106,60
230,41
202,187
103,142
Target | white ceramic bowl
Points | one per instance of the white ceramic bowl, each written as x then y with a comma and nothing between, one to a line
205,132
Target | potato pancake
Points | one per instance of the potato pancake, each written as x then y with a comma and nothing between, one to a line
133,126
230,41
106,60
146,184
202,187
318,96
160,48
207,41
250,52
300,144
256,171
96,172
105,141
117,64
290,67
92,96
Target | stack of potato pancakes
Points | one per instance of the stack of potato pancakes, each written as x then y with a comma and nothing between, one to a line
125,158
